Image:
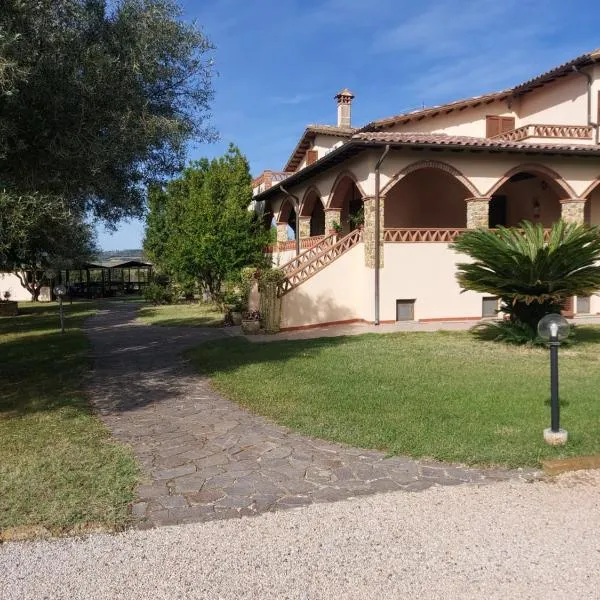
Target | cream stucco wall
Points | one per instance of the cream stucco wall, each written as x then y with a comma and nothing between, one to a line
470,121
425,273
281,258
323,144
562,102
337,293
11,283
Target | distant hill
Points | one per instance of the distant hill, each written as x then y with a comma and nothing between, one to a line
120,256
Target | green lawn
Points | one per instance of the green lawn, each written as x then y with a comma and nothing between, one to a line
441,395
181,315
59,467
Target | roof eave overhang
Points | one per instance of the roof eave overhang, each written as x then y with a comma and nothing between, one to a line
354,147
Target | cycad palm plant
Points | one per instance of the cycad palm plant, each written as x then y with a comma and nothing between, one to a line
532,276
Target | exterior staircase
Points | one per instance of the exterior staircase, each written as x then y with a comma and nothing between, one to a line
310,262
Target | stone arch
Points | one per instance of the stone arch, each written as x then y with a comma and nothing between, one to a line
590,188
334,200
312,213
285,210
560,185
308,200
432,164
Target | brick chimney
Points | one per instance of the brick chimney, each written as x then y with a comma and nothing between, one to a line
344,112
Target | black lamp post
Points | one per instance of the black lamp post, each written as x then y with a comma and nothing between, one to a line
60,291
554,328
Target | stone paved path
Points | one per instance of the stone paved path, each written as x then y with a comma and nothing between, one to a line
205,457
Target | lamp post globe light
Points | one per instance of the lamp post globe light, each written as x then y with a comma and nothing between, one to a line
60,291
554,328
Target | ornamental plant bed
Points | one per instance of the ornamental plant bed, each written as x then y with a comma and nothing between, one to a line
9,308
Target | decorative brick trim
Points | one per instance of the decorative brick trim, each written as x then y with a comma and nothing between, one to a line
537,169
419,235
432,164
579,132
453,319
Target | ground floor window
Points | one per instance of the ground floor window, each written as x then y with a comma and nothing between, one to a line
583,304
489,306
405,310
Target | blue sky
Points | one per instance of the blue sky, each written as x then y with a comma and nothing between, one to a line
280,62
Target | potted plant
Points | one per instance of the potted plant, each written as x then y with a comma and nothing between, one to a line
357,219
335,228
8,307
251,322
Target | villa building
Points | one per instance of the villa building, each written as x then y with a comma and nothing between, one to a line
376,207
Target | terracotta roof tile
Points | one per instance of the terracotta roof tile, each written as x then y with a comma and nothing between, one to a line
580,61
441,139
309,133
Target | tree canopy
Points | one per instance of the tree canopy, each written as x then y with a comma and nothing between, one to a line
98,99
199,229
39,235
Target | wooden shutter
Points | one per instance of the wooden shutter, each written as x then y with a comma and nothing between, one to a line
311,157
492,126
495,125
507,124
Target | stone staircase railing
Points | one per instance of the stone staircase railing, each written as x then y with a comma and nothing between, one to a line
308,255
317,262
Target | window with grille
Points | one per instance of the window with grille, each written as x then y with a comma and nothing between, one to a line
583,305
405,310
489,306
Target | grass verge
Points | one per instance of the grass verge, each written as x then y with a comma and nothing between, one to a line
59,467
181,315
442,395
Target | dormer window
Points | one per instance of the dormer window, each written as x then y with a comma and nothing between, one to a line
496,125
311,157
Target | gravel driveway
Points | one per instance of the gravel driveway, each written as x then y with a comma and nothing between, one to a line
507,540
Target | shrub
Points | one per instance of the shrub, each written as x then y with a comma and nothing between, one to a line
531,274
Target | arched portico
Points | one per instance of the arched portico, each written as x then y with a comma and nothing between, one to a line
286,219
528,192
438,166
345,204
312,214
424,195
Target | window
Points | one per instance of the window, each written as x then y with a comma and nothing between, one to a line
311,157
489,307
495,125
405,310
583,305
